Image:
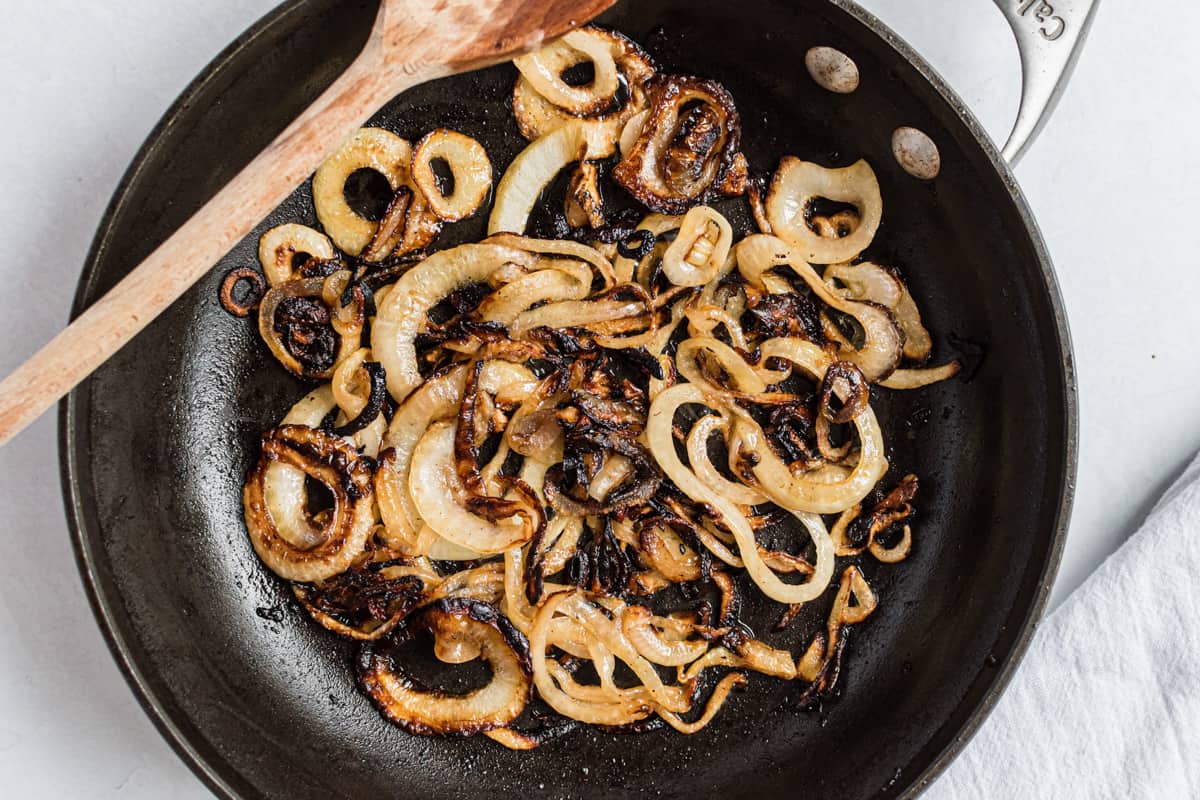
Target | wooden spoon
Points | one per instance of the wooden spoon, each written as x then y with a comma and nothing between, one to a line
413,41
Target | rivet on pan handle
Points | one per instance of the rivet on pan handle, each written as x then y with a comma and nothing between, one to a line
1050,35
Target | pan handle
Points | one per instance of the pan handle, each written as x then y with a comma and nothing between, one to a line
1050,35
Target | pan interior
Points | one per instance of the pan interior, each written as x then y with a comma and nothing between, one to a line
264,703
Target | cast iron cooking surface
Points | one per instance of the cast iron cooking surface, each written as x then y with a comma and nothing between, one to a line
263,703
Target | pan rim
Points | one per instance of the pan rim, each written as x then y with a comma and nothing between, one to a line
218,775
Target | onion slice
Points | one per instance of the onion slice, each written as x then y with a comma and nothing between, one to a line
279,248
468,162
797,184
687,149
883,342
332,461
531,172
867,281
809,492
404,313
701,248
369,148
544,68
919,378
659,434
435,484
461,628
536,116
315,328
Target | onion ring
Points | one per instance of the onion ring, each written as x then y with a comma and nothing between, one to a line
333,547
279,247
469,163
660,437
369,148
700,250
461,628
536,116
543,69
687,146
310,325
251,300
794,188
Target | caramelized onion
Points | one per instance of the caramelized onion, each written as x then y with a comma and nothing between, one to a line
280,248
298,329
883,342
700,250
292,545
404,314
530,416
697,449
653,225
537,116
918,378
687,148
435,487
365,410
369,148
810,493
798,184
469,164
867,281
584,206
544,68
466,628
244,306
562,280
531,172
660,437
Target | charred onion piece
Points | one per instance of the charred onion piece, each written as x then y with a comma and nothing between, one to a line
298,328
392,226
584,206
334,463
821,663
463,630
687,150
845,382
883,341
375,401
251,297
364,603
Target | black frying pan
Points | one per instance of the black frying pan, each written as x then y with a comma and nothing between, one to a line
262,703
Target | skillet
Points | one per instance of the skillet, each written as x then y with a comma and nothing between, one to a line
262,703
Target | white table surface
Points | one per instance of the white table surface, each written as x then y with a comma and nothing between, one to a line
1112,180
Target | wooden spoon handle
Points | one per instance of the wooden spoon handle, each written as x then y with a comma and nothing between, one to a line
192,250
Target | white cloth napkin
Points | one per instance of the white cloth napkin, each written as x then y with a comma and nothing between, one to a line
1107,702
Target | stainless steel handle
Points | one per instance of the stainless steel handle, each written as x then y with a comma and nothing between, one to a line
1050,35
